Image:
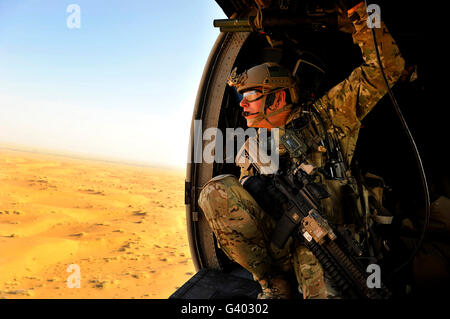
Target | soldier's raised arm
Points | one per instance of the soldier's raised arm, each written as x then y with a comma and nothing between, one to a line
349,101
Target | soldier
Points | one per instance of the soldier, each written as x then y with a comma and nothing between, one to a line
242,227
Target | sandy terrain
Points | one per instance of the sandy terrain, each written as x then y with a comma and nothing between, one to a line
124,226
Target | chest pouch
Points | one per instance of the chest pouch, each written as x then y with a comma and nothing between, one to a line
295,146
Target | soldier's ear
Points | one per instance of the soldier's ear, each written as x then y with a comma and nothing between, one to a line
281,98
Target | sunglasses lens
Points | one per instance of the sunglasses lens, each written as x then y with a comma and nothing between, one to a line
251,96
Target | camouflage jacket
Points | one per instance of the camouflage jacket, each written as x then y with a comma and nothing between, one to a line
344,106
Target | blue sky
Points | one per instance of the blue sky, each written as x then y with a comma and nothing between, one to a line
120,87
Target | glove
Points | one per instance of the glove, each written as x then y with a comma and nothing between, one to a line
345,5
342,7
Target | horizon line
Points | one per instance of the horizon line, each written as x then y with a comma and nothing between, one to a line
54,152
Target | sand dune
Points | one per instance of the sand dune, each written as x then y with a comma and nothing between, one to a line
123,225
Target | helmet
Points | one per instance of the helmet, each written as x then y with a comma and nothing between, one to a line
270,76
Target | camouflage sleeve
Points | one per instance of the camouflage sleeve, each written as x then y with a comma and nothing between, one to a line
349,101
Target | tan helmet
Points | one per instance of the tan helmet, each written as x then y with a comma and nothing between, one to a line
270,76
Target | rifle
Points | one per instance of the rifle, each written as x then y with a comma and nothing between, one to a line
304,220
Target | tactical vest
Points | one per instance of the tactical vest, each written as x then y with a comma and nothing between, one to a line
353,206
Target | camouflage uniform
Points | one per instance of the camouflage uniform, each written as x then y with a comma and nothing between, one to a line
243,228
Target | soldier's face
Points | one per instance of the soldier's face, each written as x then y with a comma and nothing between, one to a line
252,104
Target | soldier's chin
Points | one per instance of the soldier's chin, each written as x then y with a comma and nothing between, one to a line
251,122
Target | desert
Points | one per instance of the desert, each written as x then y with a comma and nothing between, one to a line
119,228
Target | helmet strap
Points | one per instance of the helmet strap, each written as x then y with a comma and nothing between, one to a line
262,115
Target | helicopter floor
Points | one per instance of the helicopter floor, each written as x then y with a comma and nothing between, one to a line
216,284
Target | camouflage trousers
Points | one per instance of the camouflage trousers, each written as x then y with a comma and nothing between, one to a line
243,231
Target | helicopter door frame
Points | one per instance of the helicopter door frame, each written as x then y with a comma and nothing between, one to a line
207,108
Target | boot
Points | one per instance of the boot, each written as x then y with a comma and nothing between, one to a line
275,288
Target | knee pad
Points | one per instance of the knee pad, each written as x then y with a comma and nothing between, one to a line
215,193
225,180
221,178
